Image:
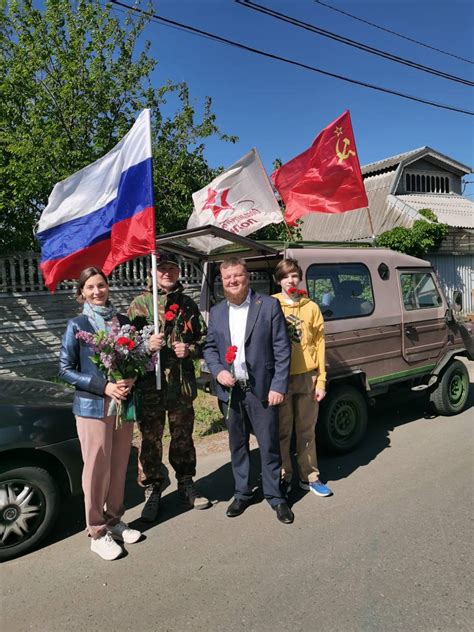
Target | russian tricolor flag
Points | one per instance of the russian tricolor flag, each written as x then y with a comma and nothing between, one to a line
102,215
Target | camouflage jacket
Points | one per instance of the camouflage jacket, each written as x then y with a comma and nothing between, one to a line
187,326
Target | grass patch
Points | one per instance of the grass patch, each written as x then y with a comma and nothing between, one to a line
208,418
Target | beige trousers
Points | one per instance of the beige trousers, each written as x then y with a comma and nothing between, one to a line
105,452
299,411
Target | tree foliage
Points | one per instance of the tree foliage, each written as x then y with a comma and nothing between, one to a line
418,240
71,84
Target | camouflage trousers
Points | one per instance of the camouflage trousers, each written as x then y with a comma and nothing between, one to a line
182,453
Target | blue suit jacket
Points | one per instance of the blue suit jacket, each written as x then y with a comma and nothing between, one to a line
76,368
267,346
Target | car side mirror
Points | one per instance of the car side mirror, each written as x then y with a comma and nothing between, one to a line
457,301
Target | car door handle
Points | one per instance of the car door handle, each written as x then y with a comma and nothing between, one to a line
410,331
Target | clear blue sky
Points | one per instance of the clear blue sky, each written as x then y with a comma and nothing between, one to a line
279,108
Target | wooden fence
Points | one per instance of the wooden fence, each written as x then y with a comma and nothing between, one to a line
32,321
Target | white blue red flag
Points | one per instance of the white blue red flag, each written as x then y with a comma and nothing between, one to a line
102,215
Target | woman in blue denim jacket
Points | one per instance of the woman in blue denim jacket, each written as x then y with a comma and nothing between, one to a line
105,448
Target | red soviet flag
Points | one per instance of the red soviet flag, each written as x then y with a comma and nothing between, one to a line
326,178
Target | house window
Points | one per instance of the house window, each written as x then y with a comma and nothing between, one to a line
426,183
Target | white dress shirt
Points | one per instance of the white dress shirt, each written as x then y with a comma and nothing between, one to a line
237,325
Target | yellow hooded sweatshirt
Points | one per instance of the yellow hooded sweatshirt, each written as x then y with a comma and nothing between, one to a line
306,329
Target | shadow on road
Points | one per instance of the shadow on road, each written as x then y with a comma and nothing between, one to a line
218,486
387,415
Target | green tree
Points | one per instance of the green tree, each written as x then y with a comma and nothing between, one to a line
422,237
71,84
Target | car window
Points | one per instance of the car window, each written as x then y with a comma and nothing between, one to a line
419,290
341,290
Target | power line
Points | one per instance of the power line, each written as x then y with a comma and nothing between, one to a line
382,28
248,4
256,51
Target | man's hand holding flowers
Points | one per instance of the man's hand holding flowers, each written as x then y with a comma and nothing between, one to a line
181,349
176,316
227,378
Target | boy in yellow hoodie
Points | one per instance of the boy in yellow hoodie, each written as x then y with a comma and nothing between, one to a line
307,386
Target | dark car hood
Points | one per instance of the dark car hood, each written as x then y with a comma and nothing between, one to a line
34,413
18,391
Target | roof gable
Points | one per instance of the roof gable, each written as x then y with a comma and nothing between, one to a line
401,160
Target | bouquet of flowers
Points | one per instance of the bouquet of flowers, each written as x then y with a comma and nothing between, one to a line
122,353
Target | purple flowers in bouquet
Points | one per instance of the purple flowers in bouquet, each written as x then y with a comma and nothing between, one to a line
120,354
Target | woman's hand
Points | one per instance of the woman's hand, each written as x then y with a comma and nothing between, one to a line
156,342
119,390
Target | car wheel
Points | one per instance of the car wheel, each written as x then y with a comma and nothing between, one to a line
342,420
451,392
29,505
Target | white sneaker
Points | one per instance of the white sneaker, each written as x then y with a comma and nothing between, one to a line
123,532
106,547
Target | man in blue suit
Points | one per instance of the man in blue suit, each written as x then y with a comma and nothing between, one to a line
252,386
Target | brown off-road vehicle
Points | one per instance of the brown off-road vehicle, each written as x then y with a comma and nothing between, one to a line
388,323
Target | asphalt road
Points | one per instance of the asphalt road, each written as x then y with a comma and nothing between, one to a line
391,550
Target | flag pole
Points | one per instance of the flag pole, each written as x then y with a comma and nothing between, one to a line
156,322
370,223
290,236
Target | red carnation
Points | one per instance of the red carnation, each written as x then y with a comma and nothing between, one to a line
174,308
126,342
169,315
302,293
231,354
292,291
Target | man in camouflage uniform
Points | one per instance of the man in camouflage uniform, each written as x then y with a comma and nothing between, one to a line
181,331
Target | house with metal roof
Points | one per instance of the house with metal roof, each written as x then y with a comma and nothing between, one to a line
397,189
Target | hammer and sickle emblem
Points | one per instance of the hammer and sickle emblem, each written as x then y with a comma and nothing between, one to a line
346,152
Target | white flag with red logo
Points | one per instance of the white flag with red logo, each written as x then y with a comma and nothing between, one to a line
240,200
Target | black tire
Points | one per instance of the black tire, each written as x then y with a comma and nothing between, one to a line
29,505
342,421
450,394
